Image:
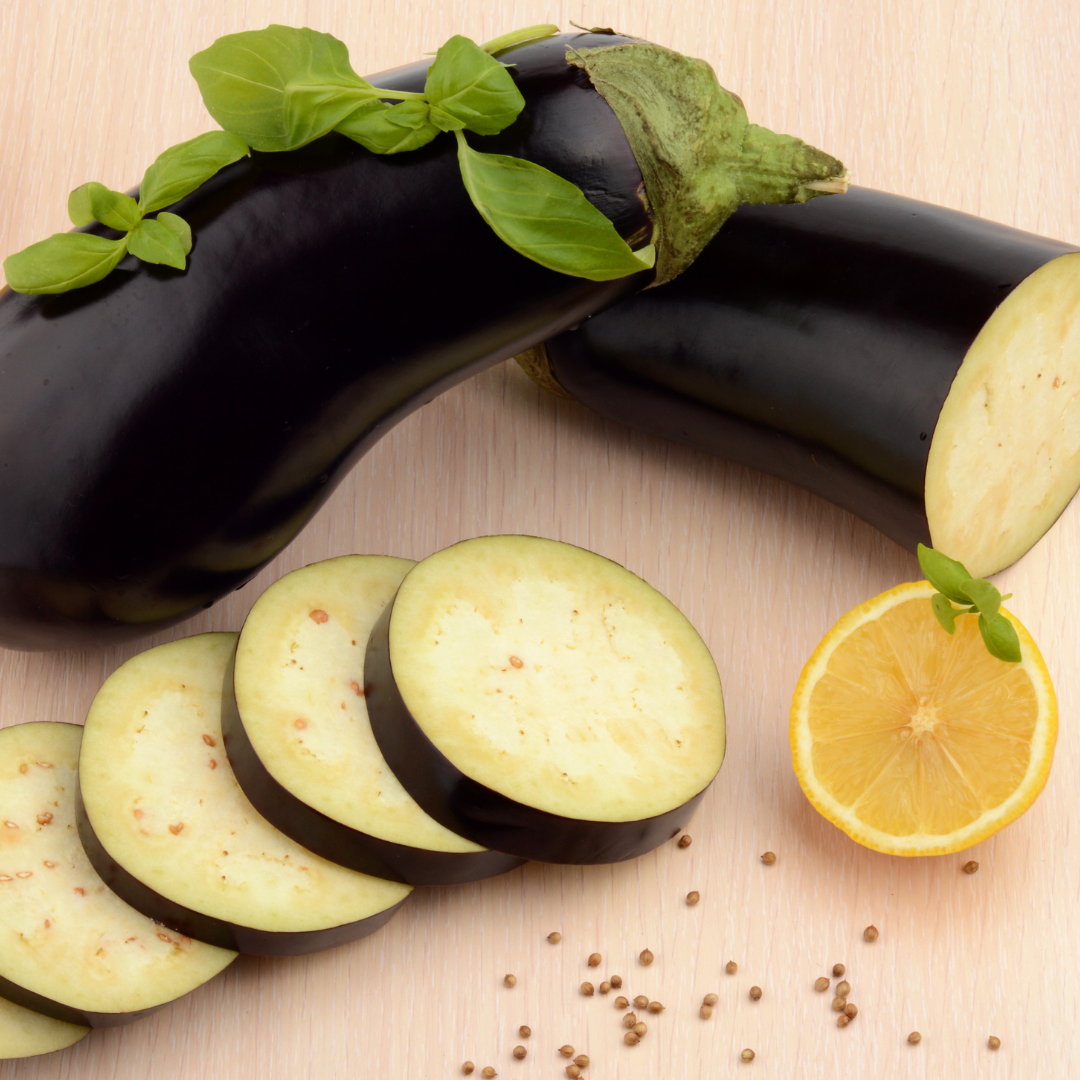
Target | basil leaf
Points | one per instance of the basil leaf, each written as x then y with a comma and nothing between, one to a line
945,574
390,129
79,209
1000,637
154,242
96,202
179,228
64,261
312,111
546,218
985,597
243,78
944,611
468,88
179,170
516,37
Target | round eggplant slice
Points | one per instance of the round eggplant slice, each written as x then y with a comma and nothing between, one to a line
69,947
914,365
167,826
300,741
544,701
25,1033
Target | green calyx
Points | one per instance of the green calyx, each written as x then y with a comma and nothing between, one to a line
699,155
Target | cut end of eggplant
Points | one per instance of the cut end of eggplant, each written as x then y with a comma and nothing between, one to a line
1005,457
25,1033
163,803
68,945
557,683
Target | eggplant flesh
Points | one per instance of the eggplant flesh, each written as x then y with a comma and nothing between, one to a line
820,343
163,435
24,1033
166,825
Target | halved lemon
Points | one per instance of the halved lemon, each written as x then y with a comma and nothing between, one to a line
917,742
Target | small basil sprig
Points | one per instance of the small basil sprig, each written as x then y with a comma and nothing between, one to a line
70,260
282,87
976,596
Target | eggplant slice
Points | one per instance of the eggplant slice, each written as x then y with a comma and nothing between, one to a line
544,701
25,1033
300,741
69,947
168,827
917,366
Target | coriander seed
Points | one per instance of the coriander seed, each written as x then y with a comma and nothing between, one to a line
595,959
843,1020
970,867
488,1072
621,1003
631,1039
692,898
641,1002
524,1031
993,1042
838,1004
640,1029
711,999
748,1055
616,981
821,984
629,1020
768,858
510,980
838,970
573,1071
554,937
655,1007
870,933
588,989
685,840
646,957
914,1038
731,967
851,1010
567,1050
755,993
468,1068
705,1012
520,1052
605,987
843,988
582,1061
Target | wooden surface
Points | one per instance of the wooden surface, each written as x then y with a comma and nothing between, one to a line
969,103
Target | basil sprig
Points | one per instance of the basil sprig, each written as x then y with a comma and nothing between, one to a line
976,596
71,260
283,87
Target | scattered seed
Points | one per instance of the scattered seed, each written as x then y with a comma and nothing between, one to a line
524,1031
582,1061
970,867
655,1007
993,1042
870,933
621,1003
768,858
843,988
838,1004
629,1020
851,1010
692,898
554,937
567,1050
646,957
510,980
705,1012
488,1072
320,616
838,970
605,987
641,1002
843,1020
755,993
710,999
641,1029
573,1071
595,959
748,1055
467,1068
588,989
520,1052
631,1039
914,1038
731,967
821,984
616,982
685,840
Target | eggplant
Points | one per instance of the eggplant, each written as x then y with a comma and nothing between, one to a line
544,701
166,825
299,740
24,1033
914,365
69,947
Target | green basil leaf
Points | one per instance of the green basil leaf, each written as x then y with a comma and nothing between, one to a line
945,574
312,111
154,242
64,261
1000,637
944,611
468,88
96,202
79,209
985,597
179,228
390,129
546,218
517,37
243,79
179,170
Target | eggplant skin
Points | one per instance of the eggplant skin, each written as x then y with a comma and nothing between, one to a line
814,342
163,435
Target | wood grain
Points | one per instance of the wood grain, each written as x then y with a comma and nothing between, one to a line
969,103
